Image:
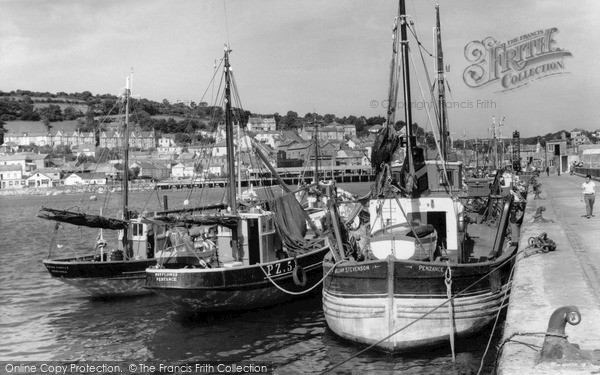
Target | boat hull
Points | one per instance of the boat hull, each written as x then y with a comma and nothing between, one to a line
402,305
103,279
240,287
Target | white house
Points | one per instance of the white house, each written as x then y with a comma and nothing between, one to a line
85,179
39,179
11,176
220,149
167,145
271,138
182,170
257,124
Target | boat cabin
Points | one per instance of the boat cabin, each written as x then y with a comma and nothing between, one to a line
444,214
392,216
256,240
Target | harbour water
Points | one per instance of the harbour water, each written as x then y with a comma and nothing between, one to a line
42,319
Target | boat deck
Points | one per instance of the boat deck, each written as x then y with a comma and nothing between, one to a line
482,241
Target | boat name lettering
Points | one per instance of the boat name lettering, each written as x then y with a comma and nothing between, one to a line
166,276
279,268
352,269
431,268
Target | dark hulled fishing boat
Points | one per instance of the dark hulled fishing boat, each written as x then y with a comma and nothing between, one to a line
112,268
261,254
427,268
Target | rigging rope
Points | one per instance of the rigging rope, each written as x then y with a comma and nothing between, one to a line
437,142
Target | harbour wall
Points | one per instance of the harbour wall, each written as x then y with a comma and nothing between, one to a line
546,281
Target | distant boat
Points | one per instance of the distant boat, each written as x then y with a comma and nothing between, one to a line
428,267
261,253
118,269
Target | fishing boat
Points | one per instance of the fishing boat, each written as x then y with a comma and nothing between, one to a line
428,267
110,268
316,197
263,253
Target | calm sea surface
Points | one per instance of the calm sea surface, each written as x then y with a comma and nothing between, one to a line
42,319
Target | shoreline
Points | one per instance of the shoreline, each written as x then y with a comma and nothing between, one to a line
60,190
358,188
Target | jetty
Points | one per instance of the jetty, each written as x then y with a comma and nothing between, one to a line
291,176
561,282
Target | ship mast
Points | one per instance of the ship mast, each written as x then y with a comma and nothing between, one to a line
230,148
126,165
316,179
443,115
410,139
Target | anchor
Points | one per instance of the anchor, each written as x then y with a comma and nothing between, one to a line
557,348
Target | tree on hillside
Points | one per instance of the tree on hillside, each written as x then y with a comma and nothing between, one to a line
71,113
290,120
85,96
151,108
10,110
278,124
183,138
28,113
328,118
51,113
377,120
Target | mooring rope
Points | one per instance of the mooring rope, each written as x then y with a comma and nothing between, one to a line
305,291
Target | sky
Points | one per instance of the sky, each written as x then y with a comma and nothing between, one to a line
329,57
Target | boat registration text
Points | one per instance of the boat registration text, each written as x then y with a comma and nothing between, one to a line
279,268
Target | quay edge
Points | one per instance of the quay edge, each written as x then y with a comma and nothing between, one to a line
544,282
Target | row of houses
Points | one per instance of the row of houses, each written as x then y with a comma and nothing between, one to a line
12,178
196,162
163,158
67,133
71,138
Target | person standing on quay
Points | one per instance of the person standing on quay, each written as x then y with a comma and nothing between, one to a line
588,190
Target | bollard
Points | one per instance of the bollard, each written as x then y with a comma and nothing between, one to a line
557,348
537,217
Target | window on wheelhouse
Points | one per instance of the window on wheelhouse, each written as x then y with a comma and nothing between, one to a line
137,229
449,180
